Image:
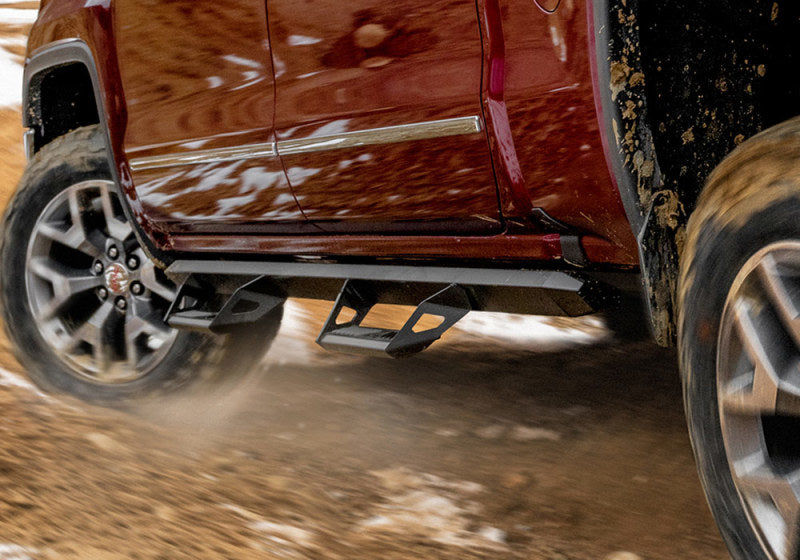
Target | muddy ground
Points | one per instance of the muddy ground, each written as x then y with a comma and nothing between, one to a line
508,439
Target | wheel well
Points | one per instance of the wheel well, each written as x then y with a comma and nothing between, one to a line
60,99
681,84
716,72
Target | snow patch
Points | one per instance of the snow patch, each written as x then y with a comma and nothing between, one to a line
288,533
13,41
279,538
17,16
493,534
432,507
302,319
533,330
9,379
11,84
399,478
16,552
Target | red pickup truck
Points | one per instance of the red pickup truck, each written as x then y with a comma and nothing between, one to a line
193,163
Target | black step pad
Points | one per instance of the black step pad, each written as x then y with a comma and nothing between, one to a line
450,304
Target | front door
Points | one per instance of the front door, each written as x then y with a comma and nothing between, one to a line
378,114
199,90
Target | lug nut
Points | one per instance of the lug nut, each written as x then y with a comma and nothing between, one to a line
102,293
137,289
113,252
121,304
133,262
98,267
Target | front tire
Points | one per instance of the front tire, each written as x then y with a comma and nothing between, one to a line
739,340
81,301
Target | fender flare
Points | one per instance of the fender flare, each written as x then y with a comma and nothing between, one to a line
70,51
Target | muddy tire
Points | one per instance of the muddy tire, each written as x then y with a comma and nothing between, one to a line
739,341
82,303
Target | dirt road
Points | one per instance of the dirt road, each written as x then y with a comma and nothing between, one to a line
511,438
478,448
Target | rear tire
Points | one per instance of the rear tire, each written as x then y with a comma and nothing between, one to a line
739,340
81,301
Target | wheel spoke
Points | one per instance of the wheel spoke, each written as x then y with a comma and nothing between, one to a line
778,293
134,326
762,397
94,332
75,212
74,238
118,229
143,321
150,281
784,495
64,285
143,311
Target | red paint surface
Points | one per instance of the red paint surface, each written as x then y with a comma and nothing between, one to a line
93,25
514,198
365,64
188,90
533,87
548,97
512,247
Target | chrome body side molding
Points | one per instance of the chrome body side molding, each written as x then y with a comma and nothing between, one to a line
385,135
371,137
198,157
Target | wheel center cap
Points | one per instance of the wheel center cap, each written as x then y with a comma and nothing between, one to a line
117,279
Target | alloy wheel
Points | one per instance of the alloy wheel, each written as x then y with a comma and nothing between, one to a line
96,299
758,387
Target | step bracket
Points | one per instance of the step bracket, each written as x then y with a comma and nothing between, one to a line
449,304
200,306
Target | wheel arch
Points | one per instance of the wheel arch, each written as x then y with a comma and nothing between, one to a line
680,85
70,64
61,91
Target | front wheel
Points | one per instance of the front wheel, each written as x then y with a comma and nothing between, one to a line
739,337
81,301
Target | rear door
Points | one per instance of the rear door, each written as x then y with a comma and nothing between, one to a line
199,89
378,114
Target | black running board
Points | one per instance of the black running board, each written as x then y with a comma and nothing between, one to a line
222,295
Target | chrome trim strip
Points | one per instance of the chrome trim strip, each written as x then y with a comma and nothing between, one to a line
198,157
28,143
386,135
375,136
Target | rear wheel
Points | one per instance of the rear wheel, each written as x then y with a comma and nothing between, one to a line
739,339
82,302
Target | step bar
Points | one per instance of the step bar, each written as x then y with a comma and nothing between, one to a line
221,295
